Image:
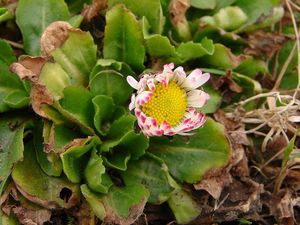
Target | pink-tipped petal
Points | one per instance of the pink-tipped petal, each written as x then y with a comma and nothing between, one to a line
132,82
195,79
179,75
197,98
143,98
151,84
132,102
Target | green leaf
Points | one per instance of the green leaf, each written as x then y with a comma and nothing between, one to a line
77,106
104,107
8,220
94,200
11,139
49,162
120,206
5,14
256,8
252,67
75,6
141,8
183,206
39,188
228,18
214,101
77,61
190,50
42,13
153,175
288,150
189,161
95,175
55,78
165,49
117,159
112,84
123,40
222,58
75,158
12,91
6,55
111,64
203,4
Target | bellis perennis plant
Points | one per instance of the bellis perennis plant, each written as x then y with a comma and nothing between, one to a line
166,103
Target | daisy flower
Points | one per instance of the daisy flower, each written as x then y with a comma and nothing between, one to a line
165,103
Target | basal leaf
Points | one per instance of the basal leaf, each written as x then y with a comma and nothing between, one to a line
111,64
49,162
75,158
11,142
42,13
13,94
95,176
112,84
203,4
222,58
141,8
77,106
214,101
5,14
228,18
153,175
190,50
189,161
117,159
39,188
77,61
104,107
55,78
123,40
183,206
120,206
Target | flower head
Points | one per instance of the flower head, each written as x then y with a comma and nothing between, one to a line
165,103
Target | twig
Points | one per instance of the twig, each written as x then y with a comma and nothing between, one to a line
14,44
284,68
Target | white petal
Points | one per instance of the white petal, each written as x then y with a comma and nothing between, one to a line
195,79
143,97
168,68
132,102
132,82
179,75
197,98
151,84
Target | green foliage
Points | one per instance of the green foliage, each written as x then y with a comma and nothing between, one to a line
123,39
13,94
11,137
42,13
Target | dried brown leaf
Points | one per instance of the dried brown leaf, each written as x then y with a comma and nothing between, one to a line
134,213
91,11
214,182
54,36
261,42
177,10
227,79
32,217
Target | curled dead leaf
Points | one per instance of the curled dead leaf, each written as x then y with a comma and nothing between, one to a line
54,36
227,79
32,217
214,182
178,9
91,11
28,67
134,213
261,42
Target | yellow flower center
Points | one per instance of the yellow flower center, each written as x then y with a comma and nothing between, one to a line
166,104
